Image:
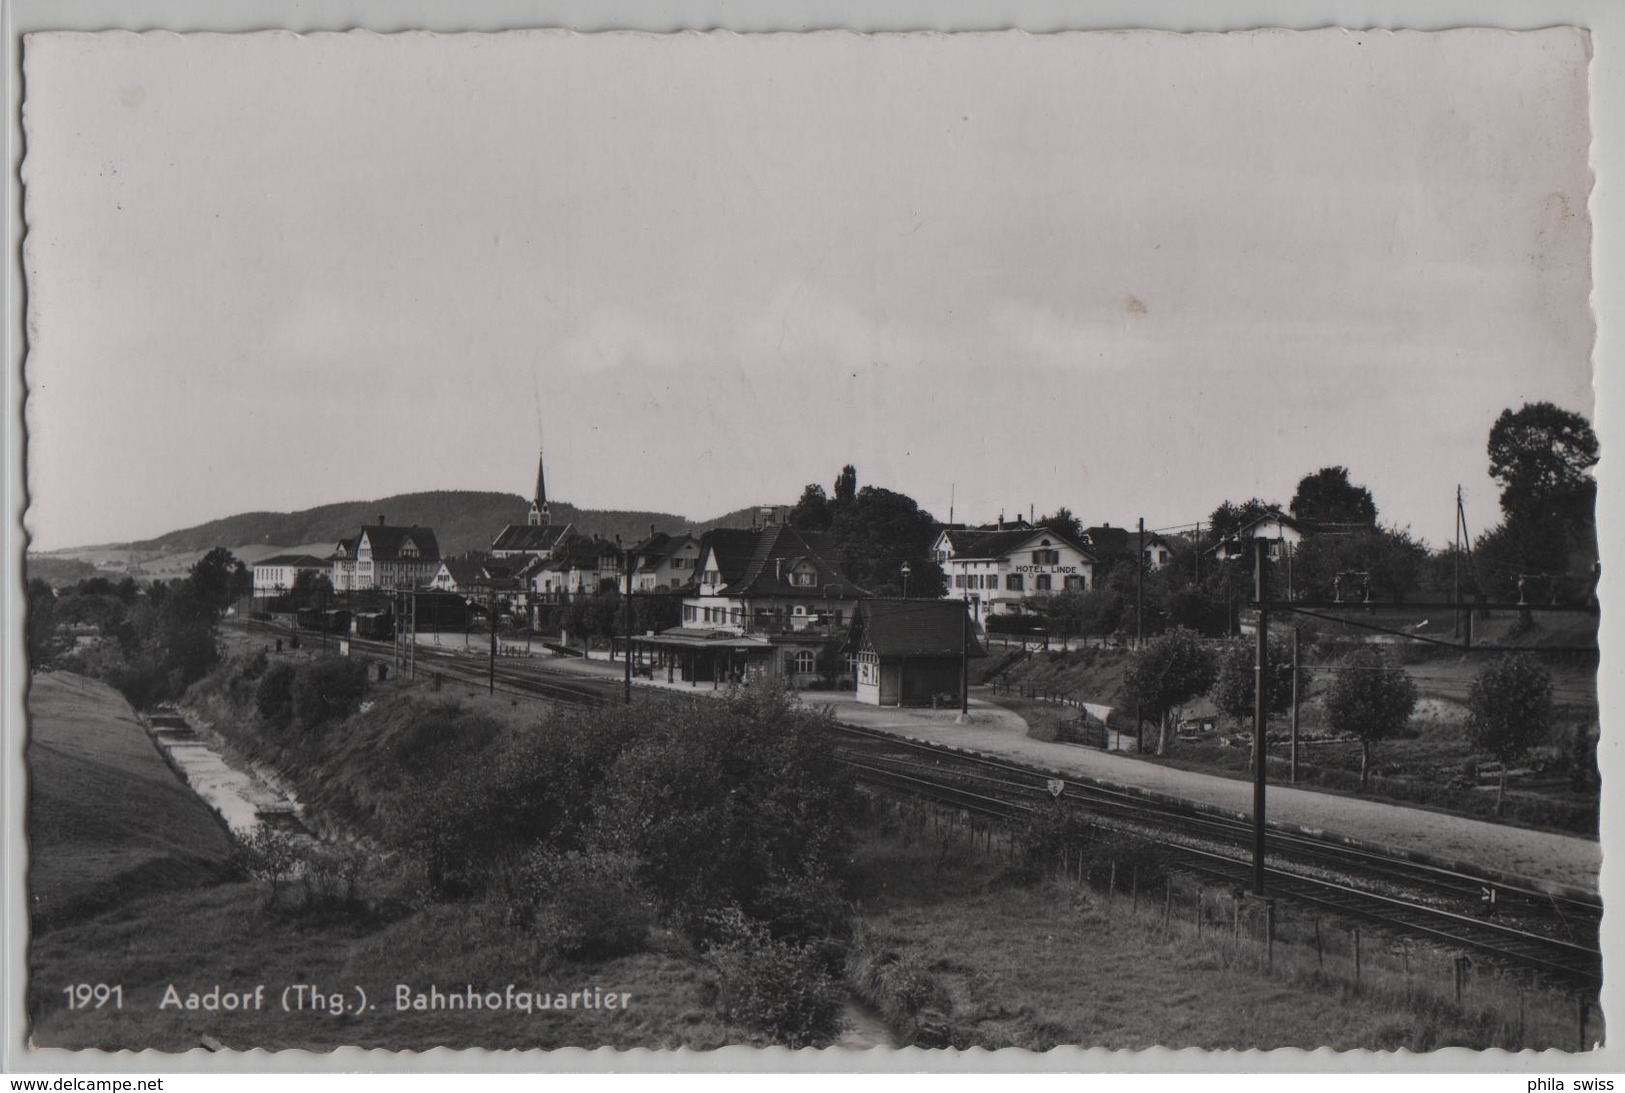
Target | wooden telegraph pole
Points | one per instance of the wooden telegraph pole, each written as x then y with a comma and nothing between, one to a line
627,652
1295,671
964,664
1260,707
491,609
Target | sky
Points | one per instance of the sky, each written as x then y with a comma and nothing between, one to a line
1135,274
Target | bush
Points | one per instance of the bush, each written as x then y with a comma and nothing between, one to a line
749,795
775,987
588,905
273,698
328,689
269,855
471,823
1045,834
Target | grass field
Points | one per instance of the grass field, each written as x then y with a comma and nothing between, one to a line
108,820
1059,962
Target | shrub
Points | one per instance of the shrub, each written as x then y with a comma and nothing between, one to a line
471,823
587,904
748,793
775,987
1045,834
269,855
328,689
273,698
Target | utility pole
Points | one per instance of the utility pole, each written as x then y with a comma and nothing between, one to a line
1197,557
1139,589
1455,626
1260,707
964,666
627,652
491,609
1295,668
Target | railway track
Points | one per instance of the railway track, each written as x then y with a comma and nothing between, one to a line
1554,933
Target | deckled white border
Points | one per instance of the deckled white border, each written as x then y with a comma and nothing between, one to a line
1605,18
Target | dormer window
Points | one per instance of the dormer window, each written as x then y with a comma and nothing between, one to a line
804,577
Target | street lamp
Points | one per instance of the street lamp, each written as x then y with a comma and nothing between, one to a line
907,569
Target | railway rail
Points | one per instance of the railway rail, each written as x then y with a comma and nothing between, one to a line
1551,932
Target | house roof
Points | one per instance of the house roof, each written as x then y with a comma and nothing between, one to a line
299,561
1109,540
655,550
467,570
999,544
387,540
915,628
759,563
533,538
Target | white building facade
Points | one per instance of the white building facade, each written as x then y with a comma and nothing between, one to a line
995,571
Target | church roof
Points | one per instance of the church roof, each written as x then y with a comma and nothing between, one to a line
533,538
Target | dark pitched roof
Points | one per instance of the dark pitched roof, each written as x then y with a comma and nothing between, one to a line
658,547
465,571
533,538
777,551
998,544
733,548
301,561
914,628
1110,540
387,540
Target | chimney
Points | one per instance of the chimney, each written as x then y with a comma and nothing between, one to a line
778,568
380,519
1001,521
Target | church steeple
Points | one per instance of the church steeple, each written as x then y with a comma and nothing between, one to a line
539,514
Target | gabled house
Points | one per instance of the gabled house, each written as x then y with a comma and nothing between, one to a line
912,652
994,571
665,562
386,557
769,579
1283,532
767,601
1159,550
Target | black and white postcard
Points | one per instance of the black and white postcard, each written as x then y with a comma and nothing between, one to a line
542,540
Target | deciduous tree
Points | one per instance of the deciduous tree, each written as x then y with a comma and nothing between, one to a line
1370,698
1542,456
1509,711
1235,678
1168,672
1328,497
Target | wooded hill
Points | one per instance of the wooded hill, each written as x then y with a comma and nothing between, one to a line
462,520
